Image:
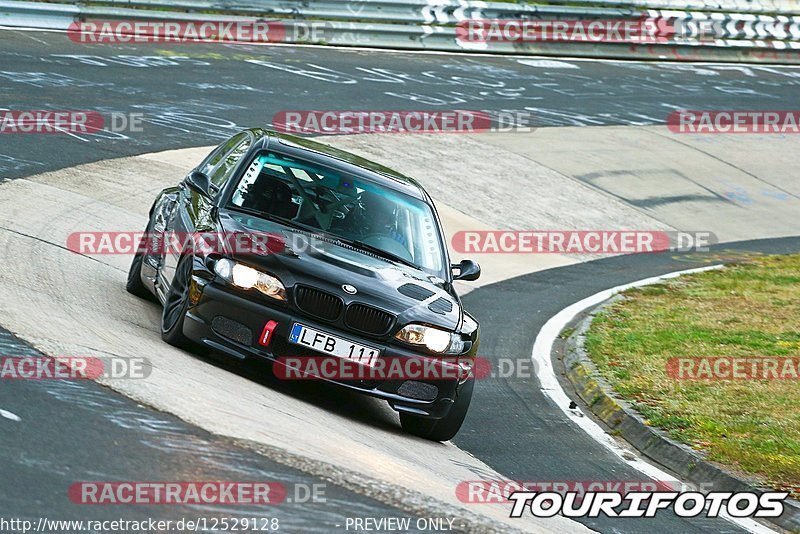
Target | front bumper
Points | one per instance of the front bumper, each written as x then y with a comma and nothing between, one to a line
228,321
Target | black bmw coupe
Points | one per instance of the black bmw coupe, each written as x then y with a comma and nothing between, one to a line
352,273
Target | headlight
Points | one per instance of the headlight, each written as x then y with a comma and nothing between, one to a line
244,276
248,278
433,339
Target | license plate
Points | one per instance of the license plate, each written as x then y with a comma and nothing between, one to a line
333,345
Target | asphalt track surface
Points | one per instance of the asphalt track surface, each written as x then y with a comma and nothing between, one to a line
195,95
79,430
198,94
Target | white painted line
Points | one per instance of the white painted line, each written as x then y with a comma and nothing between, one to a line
9,415
542,349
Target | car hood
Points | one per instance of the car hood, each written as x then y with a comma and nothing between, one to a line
299,257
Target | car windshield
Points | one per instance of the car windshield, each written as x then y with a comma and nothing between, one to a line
360,212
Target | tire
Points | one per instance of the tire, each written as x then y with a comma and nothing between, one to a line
445,428
176,304
134,285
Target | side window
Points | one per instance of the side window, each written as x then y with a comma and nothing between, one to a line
213,159
235,149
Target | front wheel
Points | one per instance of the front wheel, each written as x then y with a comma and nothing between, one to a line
445,428
177,304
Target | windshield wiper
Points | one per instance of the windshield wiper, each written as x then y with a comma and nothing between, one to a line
275,218
377,251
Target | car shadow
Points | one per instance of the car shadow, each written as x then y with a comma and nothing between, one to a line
340,401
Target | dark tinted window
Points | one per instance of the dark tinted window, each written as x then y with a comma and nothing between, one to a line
343,205
234,150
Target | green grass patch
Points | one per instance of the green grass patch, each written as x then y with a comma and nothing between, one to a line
746,310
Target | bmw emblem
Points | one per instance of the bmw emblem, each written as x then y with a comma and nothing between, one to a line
349,289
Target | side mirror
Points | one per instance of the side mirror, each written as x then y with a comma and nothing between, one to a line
199,182
468,270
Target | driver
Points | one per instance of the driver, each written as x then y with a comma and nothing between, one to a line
378,217
270,195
